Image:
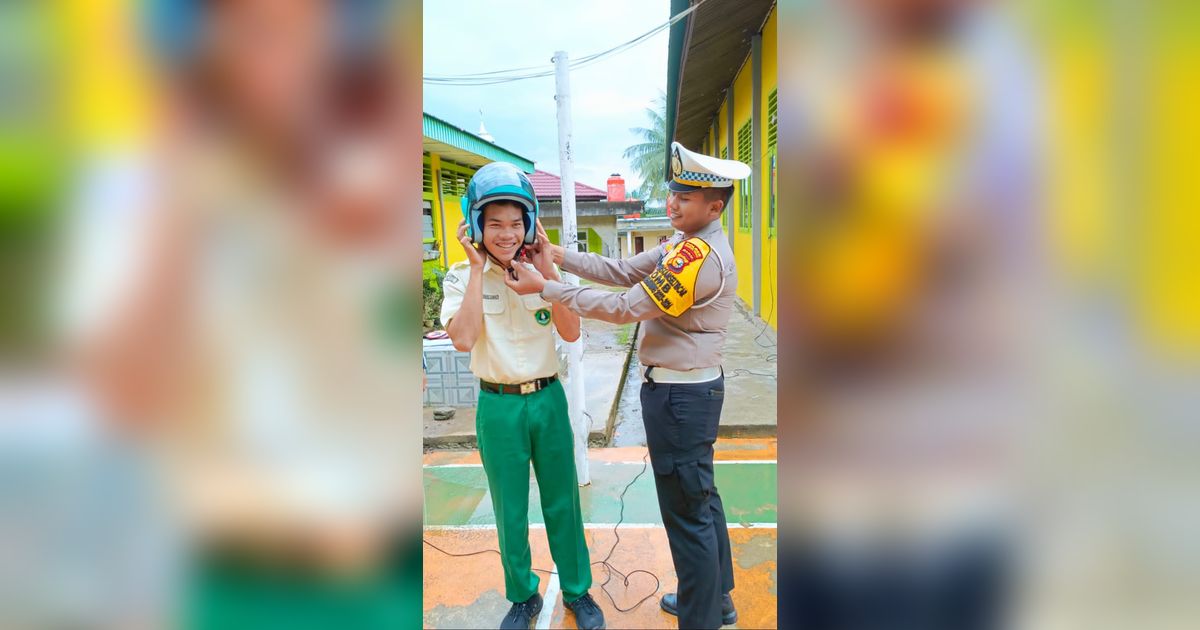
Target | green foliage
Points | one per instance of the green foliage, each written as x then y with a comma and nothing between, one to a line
649,158
431,293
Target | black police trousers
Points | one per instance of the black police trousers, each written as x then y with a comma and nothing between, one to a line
681,425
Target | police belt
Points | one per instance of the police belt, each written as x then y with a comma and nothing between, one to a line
667,375
528,387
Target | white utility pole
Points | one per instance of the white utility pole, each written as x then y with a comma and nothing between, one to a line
566,165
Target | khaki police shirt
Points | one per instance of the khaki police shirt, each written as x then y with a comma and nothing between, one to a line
692,339
517,341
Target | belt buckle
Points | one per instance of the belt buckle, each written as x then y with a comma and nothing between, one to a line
528,387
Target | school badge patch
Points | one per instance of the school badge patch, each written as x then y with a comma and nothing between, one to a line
542,315
672,285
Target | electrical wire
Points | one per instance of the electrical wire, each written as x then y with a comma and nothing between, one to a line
610,567
605,562
495,77
736,372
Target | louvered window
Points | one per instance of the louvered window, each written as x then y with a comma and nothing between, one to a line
772,159
772,119
745,153
725,215
454,183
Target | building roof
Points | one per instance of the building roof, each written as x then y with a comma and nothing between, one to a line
458,144
549,186
552,208
704,55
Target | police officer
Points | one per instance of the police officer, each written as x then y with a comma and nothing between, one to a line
684,291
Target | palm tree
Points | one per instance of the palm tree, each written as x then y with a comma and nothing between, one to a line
649,158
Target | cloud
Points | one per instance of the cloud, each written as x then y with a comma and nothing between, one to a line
608,98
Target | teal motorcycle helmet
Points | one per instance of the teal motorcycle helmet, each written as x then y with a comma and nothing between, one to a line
499,181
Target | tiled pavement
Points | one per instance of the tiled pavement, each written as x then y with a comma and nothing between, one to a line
468,592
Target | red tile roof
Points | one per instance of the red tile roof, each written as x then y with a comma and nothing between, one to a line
549,186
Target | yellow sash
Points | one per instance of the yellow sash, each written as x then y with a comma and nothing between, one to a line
672,285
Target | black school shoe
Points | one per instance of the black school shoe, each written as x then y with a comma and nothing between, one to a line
521,615
670,604
588,615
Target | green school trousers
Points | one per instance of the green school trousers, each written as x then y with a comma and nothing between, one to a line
515,430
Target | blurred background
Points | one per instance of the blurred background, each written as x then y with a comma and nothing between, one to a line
209,412
989,303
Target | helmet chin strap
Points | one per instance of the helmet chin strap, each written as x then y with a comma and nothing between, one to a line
507,267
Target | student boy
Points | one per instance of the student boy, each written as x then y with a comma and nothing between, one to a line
522,413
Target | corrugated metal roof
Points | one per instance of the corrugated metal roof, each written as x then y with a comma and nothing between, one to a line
717,43
440,131
549,186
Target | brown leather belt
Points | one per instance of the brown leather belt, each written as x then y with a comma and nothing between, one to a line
527,387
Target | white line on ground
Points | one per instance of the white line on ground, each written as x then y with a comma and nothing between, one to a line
549,599
639,462
485,527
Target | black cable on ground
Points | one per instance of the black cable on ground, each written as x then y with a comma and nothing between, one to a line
611,569
605,562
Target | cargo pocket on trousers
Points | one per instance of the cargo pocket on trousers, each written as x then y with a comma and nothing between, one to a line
695,483
663,464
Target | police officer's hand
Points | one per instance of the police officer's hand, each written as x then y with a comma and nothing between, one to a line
528,280
474,256
541,254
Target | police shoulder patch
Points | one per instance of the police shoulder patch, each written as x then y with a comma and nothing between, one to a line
672,285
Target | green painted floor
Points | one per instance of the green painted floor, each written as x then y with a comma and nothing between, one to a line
458,495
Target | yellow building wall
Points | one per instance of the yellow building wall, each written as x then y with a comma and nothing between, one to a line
1165,253
722,142
769,289
106,77
449,207
1146,254
743,241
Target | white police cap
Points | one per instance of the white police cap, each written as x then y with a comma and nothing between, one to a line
693,171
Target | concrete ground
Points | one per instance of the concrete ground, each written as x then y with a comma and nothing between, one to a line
750,378
468,591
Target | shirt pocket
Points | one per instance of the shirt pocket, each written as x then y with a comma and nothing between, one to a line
493,306
534,302
538,310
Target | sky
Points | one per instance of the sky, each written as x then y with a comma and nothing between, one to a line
608,97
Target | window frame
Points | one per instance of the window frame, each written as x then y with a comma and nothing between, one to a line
745,153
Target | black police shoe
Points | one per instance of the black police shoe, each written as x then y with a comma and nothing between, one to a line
588,615
521,615
670,604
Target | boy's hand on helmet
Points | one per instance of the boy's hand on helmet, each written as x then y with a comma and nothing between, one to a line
475,256
528,281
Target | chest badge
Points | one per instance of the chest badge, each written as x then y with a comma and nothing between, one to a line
542,315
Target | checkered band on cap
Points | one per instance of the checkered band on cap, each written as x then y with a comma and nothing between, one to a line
696,176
